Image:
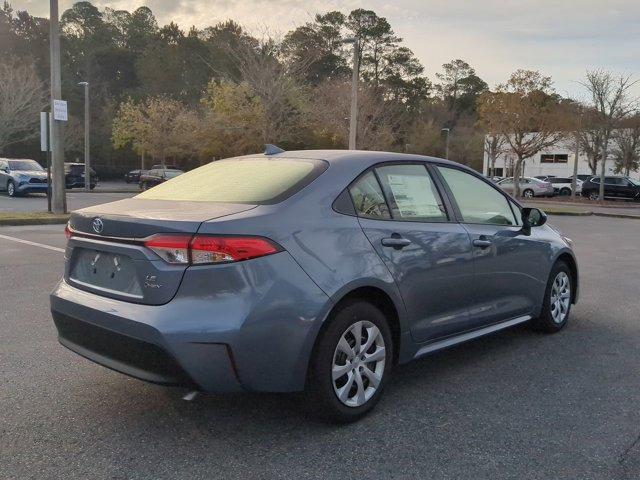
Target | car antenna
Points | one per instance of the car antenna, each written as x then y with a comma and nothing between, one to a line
272,149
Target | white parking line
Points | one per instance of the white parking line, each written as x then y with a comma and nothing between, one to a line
33,244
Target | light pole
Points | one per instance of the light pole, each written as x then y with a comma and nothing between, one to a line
87,174
353,119
446,142
59,198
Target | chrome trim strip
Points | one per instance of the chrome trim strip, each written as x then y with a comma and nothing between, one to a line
449,342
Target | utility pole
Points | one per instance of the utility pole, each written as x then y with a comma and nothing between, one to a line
59,200
353,121
87,156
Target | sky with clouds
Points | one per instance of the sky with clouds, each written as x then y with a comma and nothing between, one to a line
561,38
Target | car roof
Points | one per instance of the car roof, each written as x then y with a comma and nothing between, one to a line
364,158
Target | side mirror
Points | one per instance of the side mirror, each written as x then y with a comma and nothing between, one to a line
532,217
6,170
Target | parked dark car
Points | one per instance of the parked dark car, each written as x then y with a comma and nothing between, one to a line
314,270
584,176
74,175
168,167
133,176
156,176
615,187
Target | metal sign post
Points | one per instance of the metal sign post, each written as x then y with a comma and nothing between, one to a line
45,146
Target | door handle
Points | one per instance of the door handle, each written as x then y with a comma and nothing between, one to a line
482,243
396,242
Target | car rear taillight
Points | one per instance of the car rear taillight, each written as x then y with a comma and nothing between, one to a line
171,248
67,231
208,249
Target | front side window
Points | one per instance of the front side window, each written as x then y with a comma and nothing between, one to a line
411,193
368,199
478,202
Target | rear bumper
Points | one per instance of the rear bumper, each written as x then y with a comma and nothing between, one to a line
257,337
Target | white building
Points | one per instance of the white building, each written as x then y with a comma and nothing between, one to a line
557,160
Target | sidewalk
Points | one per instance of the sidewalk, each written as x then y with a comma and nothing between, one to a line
610,209
110,186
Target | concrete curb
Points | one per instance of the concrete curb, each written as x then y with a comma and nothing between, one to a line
596,214
616,215
15,222
106,190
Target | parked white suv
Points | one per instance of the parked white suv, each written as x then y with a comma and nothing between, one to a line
562,185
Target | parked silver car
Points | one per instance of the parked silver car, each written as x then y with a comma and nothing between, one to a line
21,176
530,187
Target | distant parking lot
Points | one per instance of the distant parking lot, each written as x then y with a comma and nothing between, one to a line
75,201
514,405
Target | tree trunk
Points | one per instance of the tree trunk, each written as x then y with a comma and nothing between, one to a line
602,170
516,178
574,178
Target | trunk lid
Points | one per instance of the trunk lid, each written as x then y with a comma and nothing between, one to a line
106,254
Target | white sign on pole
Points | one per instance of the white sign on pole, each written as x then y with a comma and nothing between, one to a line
43,131
60,110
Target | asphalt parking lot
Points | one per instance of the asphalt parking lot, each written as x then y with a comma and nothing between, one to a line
75,201
511,406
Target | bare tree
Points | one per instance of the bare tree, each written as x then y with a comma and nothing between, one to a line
612,103
626,145
274,83
494,145
22,97
329,115
526,111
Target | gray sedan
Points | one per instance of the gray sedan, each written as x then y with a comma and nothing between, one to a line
530,187
307,270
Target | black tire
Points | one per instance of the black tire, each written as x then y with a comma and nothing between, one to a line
565,192
528,193
593,195
143,186
322,399
545,322
11,189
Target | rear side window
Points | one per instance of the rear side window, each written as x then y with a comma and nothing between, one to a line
246,180
368,199
411,193
478,202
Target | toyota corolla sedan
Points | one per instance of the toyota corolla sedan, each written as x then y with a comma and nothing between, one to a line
308,270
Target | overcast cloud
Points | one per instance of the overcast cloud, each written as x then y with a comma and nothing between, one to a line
560,38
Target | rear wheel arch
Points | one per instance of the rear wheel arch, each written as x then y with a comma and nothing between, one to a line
378,298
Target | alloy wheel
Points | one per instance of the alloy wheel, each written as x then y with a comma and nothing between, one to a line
560,297
527,194
11,189
358,363
594,196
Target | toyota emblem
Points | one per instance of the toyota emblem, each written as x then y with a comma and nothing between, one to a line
98,225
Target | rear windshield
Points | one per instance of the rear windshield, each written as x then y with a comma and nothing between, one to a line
246,180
